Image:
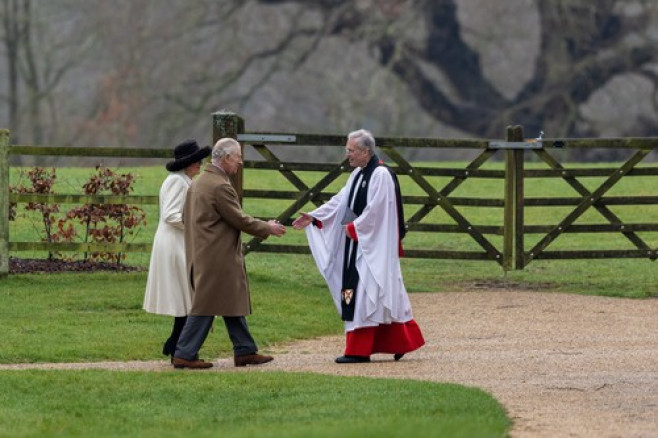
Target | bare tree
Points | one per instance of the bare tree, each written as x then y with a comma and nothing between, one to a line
13,33
166,70
582,47
150,72
41,50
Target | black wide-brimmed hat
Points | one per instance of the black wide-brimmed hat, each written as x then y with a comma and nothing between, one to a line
186,153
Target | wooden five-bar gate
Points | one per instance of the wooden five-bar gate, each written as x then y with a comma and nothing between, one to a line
510,249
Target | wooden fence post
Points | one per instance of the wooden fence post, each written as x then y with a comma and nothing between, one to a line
228,124
508,221
4,203
513,244
519,195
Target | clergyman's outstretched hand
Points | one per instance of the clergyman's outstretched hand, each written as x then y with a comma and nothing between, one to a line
303,221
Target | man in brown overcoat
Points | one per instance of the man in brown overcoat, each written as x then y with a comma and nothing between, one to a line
213,221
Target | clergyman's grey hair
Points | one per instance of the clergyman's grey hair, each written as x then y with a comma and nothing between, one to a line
364,139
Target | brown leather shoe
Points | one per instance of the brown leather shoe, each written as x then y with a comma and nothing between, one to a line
179,362
251,359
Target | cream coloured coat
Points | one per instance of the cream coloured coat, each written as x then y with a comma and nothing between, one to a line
167,288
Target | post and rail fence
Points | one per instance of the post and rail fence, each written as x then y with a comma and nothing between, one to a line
505,242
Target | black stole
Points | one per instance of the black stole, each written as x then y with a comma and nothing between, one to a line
357,201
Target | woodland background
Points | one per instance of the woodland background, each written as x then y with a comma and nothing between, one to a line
149,73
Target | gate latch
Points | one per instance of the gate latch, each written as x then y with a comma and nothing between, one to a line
534,143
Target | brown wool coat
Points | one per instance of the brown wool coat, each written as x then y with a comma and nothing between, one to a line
213,221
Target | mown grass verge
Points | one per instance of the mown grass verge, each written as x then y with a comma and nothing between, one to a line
203,404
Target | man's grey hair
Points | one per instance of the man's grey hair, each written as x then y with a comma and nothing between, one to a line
364,140
223,148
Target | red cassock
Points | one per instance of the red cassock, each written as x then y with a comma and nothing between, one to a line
393,338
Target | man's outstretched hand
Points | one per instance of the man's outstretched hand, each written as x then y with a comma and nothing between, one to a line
276,228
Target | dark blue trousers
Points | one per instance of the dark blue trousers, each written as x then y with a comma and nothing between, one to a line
196,331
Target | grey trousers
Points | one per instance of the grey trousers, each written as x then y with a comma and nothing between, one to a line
196,331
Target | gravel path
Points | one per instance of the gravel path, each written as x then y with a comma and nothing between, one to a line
562,365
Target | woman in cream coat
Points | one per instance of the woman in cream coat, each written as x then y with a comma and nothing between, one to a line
167,288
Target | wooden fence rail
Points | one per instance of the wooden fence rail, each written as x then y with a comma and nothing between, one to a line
509,250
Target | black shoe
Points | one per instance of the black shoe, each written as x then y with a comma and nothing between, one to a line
398,356
352,359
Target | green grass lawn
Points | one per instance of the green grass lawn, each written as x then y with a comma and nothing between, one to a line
92,317
172,404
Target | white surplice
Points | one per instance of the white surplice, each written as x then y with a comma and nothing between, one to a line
381,297
167,288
